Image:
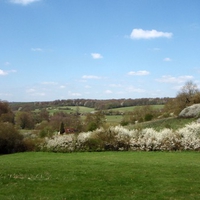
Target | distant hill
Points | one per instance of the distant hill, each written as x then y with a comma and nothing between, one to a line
90,103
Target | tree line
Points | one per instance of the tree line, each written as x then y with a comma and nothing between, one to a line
90,103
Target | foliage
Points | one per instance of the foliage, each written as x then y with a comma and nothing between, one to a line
140,114
24,120
94,120
6,115
69,121
119,138
173,123
62,128
109,175
10,139
85,104
188,95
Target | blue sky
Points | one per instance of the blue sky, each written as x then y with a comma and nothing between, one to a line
97,49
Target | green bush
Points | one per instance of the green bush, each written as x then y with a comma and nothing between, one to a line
10,139
124,123
148,117
94,144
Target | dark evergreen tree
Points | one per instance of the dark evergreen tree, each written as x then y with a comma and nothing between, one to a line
62,128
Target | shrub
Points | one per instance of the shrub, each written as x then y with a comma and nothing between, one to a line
10,139
148,117
59,143
119,138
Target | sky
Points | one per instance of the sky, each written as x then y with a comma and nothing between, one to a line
97,49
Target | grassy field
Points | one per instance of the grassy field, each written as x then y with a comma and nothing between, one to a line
172,123
107,175
70,109
113,119
131,108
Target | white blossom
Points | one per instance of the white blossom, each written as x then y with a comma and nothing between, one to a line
148,139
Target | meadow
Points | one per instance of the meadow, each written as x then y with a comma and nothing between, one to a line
102,175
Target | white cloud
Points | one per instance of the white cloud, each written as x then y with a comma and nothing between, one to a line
6,94
139,73
133,89
87,86
172,79
39,94
31,90
156,49
62,87
75,94
108,92
167,59
90,77
115,85
3,73
49,83
96,55
34,92
37,49
23,2
148,34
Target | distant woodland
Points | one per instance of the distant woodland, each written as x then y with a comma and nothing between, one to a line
90,103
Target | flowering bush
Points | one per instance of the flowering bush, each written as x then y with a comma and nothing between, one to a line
190,136
120,138
59,143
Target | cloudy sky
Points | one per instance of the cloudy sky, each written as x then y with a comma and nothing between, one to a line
97,49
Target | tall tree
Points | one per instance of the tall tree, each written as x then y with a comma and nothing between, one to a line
24,120
188,95
94,120
62,128
6,114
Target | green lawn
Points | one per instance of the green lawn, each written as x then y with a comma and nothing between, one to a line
106,175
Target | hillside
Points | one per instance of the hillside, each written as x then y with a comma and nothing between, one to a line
89,103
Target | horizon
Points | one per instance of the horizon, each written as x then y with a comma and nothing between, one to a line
92,49
88,100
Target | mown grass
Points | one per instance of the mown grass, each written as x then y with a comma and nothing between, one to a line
106,175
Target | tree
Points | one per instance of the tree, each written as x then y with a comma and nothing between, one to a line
44,115
94,120
188,95
24,120
71,121
189,89
10,139
6,114
62,128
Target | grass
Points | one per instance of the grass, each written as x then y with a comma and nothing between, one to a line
113,119
172,123
70,109
131,108
106,175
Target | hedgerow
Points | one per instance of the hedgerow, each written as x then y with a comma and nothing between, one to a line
119,138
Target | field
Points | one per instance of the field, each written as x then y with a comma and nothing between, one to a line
159,124
106,175
111,119
70,109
